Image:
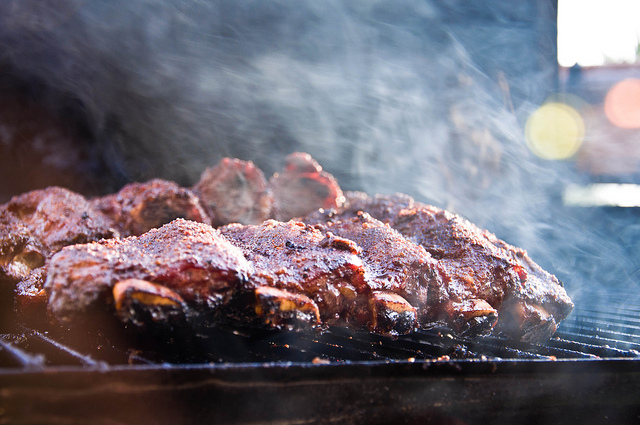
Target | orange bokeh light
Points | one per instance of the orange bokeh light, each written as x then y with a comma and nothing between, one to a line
622,104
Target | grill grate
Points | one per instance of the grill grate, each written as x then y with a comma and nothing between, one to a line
247,376
610,321
35,349
589,333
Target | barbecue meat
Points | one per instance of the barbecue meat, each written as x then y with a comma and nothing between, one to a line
235,191
302,187
486,277
37,224
139,207
197,267
395,266
358,273
303,278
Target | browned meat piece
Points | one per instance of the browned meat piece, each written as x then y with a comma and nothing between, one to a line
399,272
303,187
139,207
358,273
488,278
235,191
35,225
318,278
196,267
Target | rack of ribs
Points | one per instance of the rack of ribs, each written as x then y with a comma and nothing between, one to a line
487,281
387,264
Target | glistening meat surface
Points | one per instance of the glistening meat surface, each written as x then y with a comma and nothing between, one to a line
183,265
396,269
33,227
488,279
317,276
359,273
384,263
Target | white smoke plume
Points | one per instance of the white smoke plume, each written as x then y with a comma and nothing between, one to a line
387,96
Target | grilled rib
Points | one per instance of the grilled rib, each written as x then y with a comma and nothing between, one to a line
396,269
303,278
140,207
187,258
487,280
33,227
303,187
235,191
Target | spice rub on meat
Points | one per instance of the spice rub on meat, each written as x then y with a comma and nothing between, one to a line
399,272
488,280
140,207
33,227
181,271
303,278
358,273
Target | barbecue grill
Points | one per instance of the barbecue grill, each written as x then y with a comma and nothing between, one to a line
425,98
589,372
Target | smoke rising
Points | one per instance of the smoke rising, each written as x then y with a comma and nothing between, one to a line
426,98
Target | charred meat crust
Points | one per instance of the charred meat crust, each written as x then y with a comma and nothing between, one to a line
192,259
300,260
140,207
393,264
489,281
359,273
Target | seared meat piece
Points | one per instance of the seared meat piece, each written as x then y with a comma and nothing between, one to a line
303,187
37,224
303,277
489,278
397,269
196,267
358,273
235,191
139,207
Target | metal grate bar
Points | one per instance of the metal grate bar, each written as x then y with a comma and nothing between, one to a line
64,350
17,357
575,341
597,350
599,334
632,330
598,340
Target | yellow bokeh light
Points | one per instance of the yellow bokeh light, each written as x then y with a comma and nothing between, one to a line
554,131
